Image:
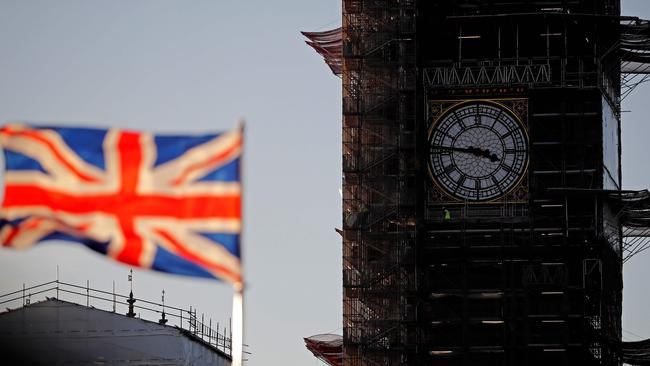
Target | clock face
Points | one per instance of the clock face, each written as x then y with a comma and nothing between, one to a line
478,151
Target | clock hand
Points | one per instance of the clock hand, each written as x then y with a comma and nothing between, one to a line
451,148
485,153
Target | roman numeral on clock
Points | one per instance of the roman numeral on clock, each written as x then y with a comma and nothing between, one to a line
514,151
507,168
450,168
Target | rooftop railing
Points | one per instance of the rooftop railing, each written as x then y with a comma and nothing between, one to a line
211,333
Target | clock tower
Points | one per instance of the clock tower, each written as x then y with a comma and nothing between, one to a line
480,141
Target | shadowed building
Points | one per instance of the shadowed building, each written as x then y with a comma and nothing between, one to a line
55,332
483,217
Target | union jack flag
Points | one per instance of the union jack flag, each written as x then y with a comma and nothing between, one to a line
169,203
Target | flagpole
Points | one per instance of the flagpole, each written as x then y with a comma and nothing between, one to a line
237,325
237,350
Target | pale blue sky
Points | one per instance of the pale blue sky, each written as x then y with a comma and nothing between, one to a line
191,66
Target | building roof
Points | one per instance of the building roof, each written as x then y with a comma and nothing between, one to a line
328,44
327,348
56,332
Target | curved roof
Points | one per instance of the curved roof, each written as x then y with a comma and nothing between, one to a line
328,44
326,347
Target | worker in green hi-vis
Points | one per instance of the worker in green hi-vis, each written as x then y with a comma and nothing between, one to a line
447,214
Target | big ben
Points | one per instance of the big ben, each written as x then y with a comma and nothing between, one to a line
481,146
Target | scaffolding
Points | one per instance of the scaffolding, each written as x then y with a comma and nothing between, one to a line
379,85
533,277
633,212
634,50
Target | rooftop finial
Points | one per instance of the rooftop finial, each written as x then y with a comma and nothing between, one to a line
163,320
131,279
131,299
